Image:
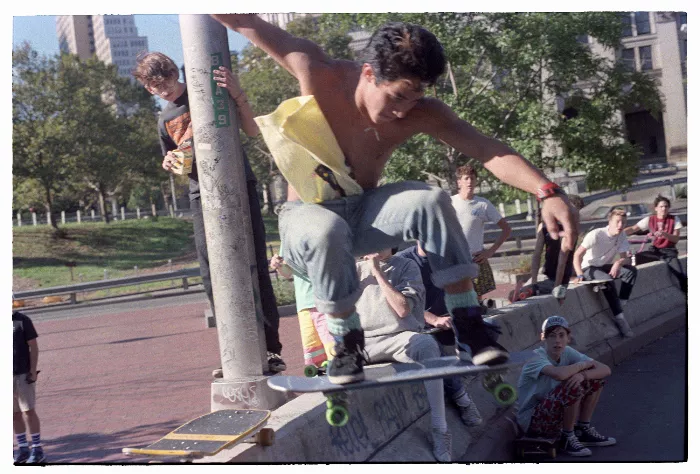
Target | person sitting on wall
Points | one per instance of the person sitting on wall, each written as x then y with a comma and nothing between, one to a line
559,391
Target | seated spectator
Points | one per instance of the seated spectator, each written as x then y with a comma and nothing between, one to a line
391,312
473,212
559,390
665,230
595,260
436,316
552,249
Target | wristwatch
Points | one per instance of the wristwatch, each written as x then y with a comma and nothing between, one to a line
548,190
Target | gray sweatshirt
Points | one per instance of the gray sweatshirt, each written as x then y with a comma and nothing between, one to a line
378,318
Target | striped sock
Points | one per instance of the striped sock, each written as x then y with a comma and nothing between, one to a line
36,439
339,327
22,440
461,300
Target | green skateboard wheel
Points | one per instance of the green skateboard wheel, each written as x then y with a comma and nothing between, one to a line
310,371
337,415
505,394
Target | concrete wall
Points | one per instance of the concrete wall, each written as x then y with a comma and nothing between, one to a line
393,424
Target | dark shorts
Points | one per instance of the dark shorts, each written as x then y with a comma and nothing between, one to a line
485,281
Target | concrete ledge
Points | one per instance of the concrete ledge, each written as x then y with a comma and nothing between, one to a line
393,424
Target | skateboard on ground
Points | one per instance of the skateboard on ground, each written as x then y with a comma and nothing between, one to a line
337,413
209,434
526,446
596,285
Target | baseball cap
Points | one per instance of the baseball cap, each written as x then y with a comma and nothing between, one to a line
552,321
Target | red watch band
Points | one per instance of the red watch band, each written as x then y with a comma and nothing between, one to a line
548,190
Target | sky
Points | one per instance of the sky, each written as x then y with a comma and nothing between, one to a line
162,31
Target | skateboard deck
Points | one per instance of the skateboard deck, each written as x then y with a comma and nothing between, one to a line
209,434
597,285
526,446
401,373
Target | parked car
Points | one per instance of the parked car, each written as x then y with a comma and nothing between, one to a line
633,209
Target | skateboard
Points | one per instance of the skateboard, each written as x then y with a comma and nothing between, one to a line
597,285
526,446
209,434
337,413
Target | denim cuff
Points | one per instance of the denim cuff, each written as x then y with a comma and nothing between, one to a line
454,274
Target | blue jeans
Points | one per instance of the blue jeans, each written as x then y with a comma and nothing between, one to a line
322,240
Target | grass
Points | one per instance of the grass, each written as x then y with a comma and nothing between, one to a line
121,248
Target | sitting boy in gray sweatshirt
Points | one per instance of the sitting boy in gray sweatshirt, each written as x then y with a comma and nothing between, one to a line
391,313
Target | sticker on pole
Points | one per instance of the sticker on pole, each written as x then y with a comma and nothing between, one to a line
222,118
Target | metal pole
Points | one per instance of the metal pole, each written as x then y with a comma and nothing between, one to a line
225,208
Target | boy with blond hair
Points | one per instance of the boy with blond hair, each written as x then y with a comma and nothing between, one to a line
604,255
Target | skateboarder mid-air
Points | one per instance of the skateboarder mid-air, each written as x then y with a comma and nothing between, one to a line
559,390
370,108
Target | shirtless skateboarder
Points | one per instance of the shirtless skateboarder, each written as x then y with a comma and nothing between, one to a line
371,107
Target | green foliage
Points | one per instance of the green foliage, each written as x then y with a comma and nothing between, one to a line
77,125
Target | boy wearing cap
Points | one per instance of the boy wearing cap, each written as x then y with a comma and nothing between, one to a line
559,390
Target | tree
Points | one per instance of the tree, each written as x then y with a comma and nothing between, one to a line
41,159
508,74
113,127
76,124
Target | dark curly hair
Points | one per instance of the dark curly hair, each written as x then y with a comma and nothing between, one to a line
661,198
401,50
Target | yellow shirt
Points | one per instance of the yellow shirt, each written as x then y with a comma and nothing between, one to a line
306,151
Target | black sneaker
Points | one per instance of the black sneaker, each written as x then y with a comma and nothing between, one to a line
21,455
590,437
572,446
275,362
472,331
36,456
346,366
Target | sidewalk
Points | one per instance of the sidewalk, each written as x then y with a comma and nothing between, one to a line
126,379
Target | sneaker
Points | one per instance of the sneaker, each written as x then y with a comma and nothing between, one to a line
572,446
623,326
442,446
346,366
590,437
36,456
472,331
470,415
217,373
21,455
275,362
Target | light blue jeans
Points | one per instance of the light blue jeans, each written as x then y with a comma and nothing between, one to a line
322,240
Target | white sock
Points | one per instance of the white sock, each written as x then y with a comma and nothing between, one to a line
620,316
436,400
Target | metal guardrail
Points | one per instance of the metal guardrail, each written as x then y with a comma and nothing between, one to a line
73,290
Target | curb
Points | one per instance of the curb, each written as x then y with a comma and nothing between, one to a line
496,443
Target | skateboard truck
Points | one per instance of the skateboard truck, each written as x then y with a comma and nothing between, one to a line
312,371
